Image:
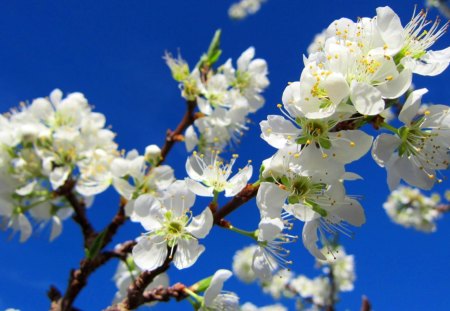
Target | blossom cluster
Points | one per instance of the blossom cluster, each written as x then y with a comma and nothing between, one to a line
46,145
224,97
408,207
355,71
243,8
338,268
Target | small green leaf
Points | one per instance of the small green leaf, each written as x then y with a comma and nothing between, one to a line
96,246
202,285
213,53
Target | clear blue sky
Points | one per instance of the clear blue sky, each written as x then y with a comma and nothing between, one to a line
112,51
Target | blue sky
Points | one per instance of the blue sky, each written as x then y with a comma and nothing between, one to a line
112,52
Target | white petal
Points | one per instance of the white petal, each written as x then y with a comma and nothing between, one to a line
366,98
269,228
123,187
270,199
56,228
393,178
398,86
383,148
245,58
262,264
89,188
201,224
199,188
390,28
412,174
278,132
411,106
190,138
58,176
178,197
336,87
27,189
301,212
291,98
352,212
310,239
194,168
24,227
239,181
349,146
187,253
150,252
216,285
148,211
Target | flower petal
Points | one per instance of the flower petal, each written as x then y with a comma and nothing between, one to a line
150,252
366,98
270,199
201,224
216,285
411,106
187,253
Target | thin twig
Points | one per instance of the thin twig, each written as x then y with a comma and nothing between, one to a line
79,208
174,136
135,297
240,199
366,306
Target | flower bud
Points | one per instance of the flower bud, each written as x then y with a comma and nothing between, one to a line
152,153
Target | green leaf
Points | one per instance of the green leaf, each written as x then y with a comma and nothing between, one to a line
96,246
202,285
325,143
213,53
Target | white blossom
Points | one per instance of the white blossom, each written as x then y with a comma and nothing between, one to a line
419,149
410,208
209,175
217,300
169,224
242,264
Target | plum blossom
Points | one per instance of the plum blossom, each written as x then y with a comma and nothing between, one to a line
125,274
242,264
419,149
408,207
217,300
309,187
410,44
209,175
170,226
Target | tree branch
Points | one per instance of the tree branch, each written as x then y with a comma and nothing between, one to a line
136,290
240,199
174,136
366,306
79,208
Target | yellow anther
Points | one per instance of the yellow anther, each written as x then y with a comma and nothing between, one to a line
297,155
427,112
279,105
324,155
389,78
352,144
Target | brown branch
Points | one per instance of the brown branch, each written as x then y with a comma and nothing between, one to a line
443,208
77,281
332,296
79,277
174,136
79,208
136,297
366,306
164,294
240,199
